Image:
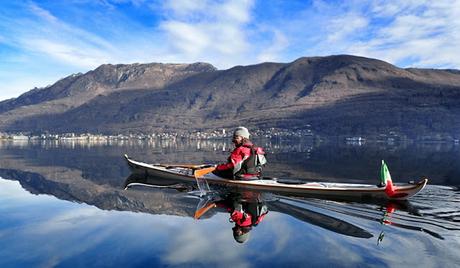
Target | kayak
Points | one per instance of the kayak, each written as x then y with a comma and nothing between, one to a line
186,174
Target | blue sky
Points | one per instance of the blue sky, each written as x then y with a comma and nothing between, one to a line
42,41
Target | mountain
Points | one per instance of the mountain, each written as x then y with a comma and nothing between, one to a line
334,95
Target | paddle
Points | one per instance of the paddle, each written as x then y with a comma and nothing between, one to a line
199,173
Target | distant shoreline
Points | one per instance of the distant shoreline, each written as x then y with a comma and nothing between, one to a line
223,135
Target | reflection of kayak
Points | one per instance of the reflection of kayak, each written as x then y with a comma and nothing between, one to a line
320,189
319,219
220,201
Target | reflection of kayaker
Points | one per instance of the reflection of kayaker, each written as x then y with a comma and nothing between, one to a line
246,214
247,209
246,160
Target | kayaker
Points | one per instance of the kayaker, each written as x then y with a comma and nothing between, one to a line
246,160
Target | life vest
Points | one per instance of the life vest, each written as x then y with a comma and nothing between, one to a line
254,164
247,219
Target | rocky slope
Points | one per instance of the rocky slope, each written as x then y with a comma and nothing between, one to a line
336,95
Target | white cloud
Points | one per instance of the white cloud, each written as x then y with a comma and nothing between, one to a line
190,39
10,87
208,30
47,35
277,45
228,33
405,33
236,11
427,34
72,54
383,8
183,8
190,31
229,40
344,27
42,13
136,3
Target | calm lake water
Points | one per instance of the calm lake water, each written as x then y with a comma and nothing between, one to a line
63,204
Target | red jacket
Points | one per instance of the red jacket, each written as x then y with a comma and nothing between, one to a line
245,219
242,218
236,159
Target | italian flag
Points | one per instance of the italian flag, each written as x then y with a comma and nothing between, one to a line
385,179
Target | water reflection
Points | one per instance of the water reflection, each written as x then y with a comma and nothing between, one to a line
93,177
247,208
299,159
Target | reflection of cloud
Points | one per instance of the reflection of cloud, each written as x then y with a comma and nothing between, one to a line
61,233
280,232
11,189
52,240
198,244
67,220
337,248
12,194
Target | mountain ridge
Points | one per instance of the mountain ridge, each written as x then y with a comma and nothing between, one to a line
335,95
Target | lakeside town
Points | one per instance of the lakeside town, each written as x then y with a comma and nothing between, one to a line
204,135
270,133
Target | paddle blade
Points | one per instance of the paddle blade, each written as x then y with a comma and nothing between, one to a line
203,210
201,172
